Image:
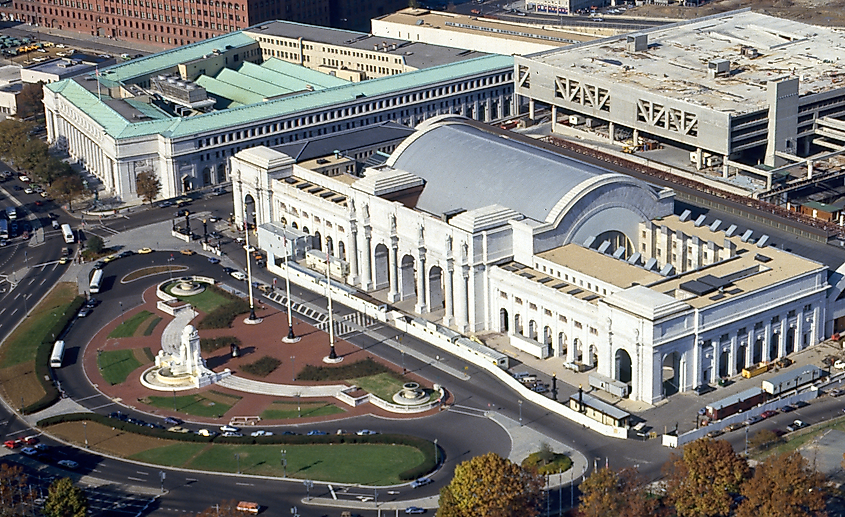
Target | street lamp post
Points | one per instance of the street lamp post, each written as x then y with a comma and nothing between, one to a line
85,430
238,459
291,337
205,230
285,462
520,412
252,319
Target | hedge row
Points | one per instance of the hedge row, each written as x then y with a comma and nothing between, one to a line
211,344
363,368
262,367
42,359
426,447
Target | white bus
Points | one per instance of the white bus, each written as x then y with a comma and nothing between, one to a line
68,233
58,354
96,281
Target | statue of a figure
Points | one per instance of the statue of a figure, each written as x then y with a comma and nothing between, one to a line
464,250
392,223
448,244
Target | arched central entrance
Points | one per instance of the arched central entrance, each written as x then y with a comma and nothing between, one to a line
435,289
623,371
407,287
380,267
671,374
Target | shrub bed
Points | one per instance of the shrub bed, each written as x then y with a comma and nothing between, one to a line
223,316
210,344
262,367
363,368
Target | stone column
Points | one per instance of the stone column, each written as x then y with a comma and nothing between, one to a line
732,357
767,342
393,294
448,318
366,254
353,254
697,364
717,359
420,306
461,302
749,349
784,327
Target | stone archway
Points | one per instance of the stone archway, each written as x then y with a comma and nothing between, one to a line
435,289
548,340
724,361
407,285
329,246
341,250
774,345
504,323
380,267
741,352
671,373
757,356
623,367
532,330
317,241
579,350
790,341
249,211
561,344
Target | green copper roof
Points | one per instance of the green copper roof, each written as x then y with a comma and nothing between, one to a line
345,92
301,73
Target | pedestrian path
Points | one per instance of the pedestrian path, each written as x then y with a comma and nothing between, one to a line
171,337
348,324
525,441
234,382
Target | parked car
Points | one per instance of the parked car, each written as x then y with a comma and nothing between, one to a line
92,302
29,451
30,440
365,432
12,444
796,425
83,312
751,420
206,432
421,482
238,275
144,251
261,432
229,429
68,464
188,252
172,420
734,426
839,364
715,432
230,434
787,408
316,432
768,414
214,260
415,510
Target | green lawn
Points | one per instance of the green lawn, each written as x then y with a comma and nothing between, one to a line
128,327
369,464
22,344
289,410
152,325
383,385
206,301
116,365
196,405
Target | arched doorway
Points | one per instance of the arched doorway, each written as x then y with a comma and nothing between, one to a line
579,350
561,344
547,340
317,241
249,211
294,226
504,324
435,288
724,359
380,267
741,352
517,324
532,330
623,370
407,286
594,356
757,356
329,246
671,373
790,340
774,345
341,249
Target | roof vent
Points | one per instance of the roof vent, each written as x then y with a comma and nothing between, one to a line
718,68
636,43
749,52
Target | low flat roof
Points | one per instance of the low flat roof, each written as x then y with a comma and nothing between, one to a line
416,55
602,406
676,62
461,23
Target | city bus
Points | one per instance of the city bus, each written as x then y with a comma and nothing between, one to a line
67,233
96,281
4,228
58,354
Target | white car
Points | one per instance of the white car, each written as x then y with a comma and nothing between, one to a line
68,464
238,275
229,429
261,432
28,190
839,364
365,432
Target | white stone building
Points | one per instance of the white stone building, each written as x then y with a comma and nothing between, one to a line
486,231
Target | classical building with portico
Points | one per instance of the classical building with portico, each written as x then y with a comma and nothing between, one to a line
486,231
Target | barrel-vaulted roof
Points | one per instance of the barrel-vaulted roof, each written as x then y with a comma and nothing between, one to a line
467,167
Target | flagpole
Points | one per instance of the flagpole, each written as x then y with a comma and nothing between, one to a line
97,72
291,337
332,357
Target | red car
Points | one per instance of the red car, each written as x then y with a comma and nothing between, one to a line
767,414
12,444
